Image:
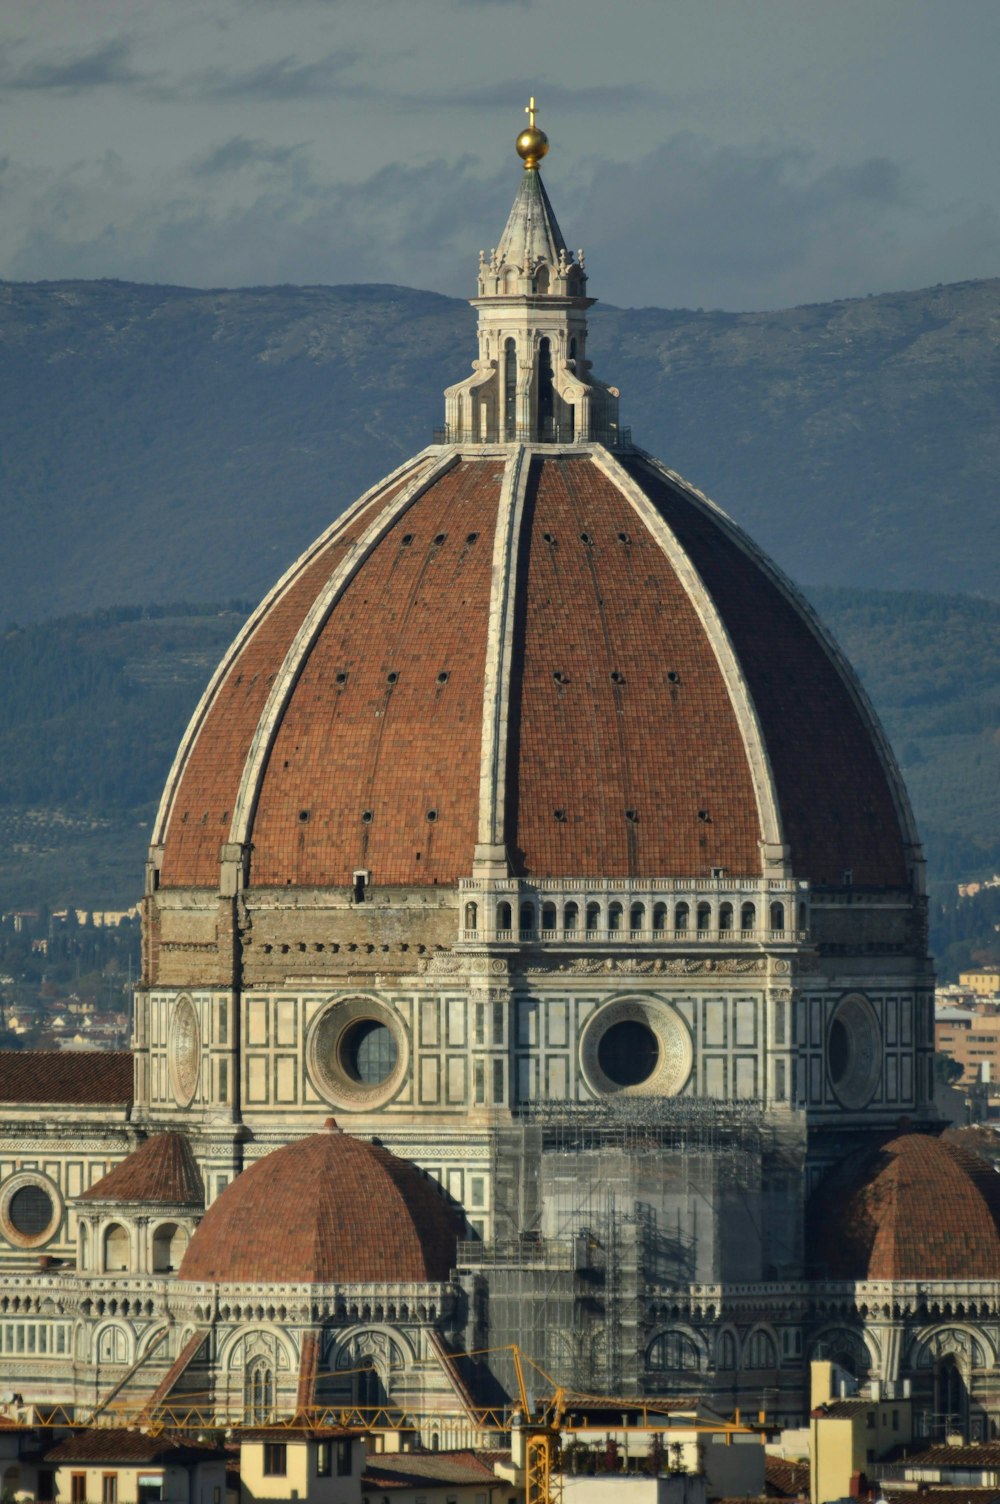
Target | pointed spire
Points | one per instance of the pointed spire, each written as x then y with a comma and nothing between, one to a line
531,233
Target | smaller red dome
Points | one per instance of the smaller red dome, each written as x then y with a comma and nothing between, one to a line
328,1209
916,1208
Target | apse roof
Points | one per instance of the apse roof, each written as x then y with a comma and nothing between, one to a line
327,1209
914,1208
163,1169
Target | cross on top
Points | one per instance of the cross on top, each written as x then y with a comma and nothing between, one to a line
529,110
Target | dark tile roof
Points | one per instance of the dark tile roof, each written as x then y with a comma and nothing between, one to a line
70,1078
784,1479
328,1208
163,1169
109,1444
975,1454
943,1495
410,1469
298,1433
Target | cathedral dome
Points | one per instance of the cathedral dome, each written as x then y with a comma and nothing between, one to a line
916,1208
532,652
574,656
327,1209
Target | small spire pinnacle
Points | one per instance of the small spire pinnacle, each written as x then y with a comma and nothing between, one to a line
532,144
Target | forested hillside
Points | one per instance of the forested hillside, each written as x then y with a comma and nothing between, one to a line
93,708
160,444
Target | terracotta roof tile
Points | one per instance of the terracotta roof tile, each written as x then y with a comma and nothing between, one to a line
616,733
418,610
329,1208
785,1479
915,1208
70,1078
835,798
111,1444
163,1169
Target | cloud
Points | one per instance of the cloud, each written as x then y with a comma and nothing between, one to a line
239,152
690,224
107,64
760,226
284,78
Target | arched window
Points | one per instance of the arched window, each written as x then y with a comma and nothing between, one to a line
112,1346
369,1387
471,916
503,917
258,1391
637,918
803,917
748,917
116,1249
725,916
673,1352
527,919
615,916
593,916
951,1397
659,917
571,916
548,916
704,916
726,1356
681,915
169,1243
546,392
777,917
542,279
761,1352
510,378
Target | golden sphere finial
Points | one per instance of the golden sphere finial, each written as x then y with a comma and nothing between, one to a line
532,144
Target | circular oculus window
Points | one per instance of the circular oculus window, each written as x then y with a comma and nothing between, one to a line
854,1052
357,1053
636,1047
184,1051
30,1209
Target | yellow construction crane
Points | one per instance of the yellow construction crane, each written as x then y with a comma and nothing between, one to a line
538,1424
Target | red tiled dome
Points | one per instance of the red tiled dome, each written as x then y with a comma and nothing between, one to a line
330,1208
916,1208
657,665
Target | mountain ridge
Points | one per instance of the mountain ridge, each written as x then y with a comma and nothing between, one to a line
189,443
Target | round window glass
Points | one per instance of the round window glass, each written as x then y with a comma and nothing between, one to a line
628,1052
839,1051
31,1211
368,1052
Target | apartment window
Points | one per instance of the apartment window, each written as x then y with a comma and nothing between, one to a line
343,1459
109,1488
78,1488
323,1460
895,1420
275,1459
870,1420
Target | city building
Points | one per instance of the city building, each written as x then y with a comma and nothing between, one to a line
534,952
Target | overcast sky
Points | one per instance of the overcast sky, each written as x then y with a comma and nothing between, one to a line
738,154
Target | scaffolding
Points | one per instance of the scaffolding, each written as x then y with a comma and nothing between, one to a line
595,1205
